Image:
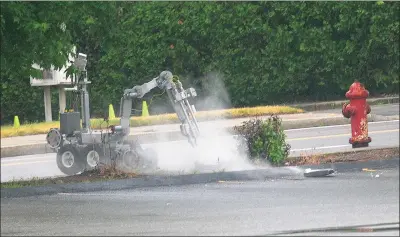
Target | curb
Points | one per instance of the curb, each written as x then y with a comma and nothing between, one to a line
338,104
152,181
157,181
154,137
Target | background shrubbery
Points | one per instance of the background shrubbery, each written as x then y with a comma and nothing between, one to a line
260,52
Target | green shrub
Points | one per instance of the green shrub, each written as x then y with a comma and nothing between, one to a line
263,139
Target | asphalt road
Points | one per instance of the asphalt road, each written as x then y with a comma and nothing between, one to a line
386,110
224,208
179,156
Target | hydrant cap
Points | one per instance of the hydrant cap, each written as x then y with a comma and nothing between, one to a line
357,90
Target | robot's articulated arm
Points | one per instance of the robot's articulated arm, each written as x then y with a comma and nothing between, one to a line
177,96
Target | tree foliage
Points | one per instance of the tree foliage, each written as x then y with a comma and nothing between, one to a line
265,52
33,32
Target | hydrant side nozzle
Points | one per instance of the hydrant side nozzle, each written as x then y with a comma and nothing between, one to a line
346,110
368,109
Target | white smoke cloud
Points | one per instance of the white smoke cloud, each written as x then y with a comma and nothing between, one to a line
217,149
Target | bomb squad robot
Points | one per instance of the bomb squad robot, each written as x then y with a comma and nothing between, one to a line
81,148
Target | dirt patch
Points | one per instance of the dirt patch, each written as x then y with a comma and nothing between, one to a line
102,173
357,155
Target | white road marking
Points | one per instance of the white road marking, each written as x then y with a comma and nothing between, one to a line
333,126
320,148
27,144
91,194
10,159
338,135
27,163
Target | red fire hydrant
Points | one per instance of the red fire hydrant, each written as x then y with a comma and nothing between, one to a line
357,110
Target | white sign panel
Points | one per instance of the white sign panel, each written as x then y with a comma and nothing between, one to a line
52,77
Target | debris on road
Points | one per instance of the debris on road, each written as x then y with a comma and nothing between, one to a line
318,172
368,170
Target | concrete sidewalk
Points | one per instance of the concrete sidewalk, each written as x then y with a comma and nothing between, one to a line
36,144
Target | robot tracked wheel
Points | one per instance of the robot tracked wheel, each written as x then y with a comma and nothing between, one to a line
93,155
69,161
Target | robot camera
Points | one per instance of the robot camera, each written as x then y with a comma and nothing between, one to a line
80,61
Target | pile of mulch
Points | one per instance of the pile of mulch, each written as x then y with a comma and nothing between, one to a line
102,173
356,155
